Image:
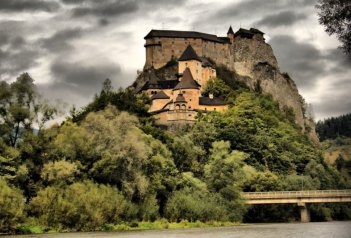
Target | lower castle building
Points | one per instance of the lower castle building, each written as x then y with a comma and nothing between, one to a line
179,101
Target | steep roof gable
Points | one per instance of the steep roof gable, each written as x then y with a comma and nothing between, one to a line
189,54
187,81
230,31
160,95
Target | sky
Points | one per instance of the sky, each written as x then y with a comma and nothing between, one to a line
70,47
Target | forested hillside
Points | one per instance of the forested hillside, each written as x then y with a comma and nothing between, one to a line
334,127
108,165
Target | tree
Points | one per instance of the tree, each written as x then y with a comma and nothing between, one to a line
335,15
11,207
20,107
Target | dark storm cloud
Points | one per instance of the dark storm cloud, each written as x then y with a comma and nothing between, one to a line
28,5
106,8
82,77
336,100
60,41
16,55
301,60
248,11
14,63
285,18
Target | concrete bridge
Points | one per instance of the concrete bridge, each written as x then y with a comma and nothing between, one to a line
301,198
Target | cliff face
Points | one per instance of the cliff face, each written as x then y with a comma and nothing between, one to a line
256,60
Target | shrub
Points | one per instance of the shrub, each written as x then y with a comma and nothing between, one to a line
80,206
11,207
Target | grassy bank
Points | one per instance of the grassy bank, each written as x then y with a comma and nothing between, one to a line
130,226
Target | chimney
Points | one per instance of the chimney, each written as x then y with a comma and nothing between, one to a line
210,96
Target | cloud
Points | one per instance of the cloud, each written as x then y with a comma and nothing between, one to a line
336,100
284,18
303,61
107,8
16,54
84,78
28,5
60,41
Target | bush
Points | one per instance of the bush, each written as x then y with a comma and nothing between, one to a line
11,207
187,204
80,206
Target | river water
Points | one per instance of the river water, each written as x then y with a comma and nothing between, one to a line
277,230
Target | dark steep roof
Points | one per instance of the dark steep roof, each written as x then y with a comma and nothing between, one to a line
182,34
189,54
206,62
160,95
248,33
230,31
254,30
160,84
180,98
244,33
187,81
211,102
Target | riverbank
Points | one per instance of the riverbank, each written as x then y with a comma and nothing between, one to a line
268,230
132,226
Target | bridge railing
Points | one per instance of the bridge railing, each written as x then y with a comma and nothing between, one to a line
291,194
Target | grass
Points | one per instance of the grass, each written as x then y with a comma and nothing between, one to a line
134,226
164,224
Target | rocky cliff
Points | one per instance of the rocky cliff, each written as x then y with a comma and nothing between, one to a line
256,61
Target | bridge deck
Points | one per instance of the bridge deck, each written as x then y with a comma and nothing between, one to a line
311,196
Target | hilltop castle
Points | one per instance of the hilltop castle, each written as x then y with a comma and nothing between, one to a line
244,52
179,101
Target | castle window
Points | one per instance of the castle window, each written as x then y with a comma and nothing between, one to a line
184,107
190,99
189,107
177,107
183,92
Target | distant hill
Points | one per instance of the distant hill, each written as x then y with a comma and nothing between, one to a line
334,127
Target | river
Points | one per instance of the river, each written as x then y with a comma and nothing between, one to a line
276,230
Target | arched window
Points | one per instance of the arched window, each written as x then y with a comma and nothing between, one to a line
177,107
183,107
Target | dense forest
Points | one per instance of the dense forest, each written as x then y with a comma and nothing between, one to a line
334,127
108,165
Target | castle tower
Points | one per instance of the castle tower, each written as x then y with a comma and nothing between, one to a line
189,89
230,34
189,59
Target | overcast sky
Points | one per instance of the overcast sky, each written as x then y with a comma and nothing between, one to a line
70,47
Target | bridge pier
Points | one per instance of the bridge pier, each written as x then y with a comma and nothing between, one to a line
304,212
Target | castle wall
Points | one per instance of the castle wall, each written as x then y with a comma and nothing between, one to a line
210,108
160,50
158,104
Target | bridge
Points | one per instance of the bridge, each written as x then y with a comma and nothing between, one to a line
301,198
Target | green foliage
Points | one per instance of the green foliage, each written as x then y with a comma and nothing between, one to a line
11,207
216,87
59,171
124,100
195,205
334,127
255,125
334,15
80,206
20,107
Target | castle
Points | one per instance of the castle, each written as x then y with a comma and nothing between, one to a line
244,52
179,101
